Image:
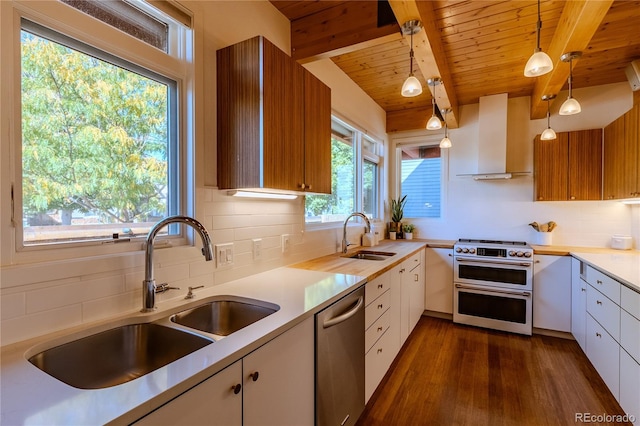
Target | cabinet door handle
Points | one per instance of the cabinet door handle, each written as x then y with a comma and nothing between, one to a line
254,376
583,289
380,350
598,334
450,255
308,187
302,186
415,277
380,285
379,329
598,302
236,388
599,282
380,306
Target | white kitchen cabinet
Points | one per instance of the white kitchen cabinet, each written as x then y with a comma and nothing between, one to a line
416,296
377,362
604,353
603,310
552,293
281,393
439,280
284,392
630,322
213,401
630,386
578,305
410,289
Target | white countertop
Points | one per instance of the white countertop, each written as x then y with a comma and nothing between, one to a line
623,266
32,397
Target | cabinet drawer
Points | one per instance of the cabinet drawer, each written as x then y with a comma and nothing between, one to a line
604,283
376,309
413,261
630,334
604,353
630,386
604,311
376,364
630,301
375,288
376,330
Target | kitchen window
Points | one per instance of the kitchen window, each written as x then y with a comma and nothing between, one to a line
102,146
420,170
355,169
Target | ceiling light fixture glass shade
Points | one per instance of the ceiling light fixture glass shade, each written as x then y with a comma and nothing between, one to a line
549,134
445,142
571,106
434,122
539,63
411,86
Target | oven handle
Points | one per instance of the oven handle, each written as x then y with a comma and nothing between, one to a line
513,293
493,262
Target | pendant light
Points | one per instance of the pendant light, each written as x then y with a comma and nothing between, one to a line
434,122
445,142
549,134
411,86
539,63
571,105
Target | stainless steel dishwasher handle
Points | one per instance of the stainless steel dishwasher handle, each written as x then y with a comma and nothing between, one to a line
341,318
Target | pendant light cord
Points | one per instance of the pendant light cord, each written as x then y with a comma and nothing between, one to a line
539,27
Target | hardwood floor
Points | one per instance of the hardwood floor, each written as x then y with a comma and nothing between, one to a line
450,374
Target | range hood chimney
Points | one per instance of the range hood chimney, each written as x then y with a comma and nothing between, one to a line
492,138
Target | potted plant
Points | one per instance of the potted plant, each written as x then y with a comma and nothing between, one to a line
408,230
397,213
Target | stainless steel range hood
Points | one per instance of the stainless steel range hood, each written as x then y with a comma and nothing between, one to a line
492,139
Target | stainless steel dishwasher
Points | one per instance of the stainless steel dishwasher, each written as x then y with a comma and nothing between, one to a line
340,361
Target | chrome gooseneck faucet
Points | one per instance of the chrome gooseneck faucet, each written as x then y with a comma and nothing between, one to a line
345,243
149,283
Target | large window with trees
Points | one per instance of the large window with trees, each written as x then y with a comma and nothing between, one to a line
354,177
100,155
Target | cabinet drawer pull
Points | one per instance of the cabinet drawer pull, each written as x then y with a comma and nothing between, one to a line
583,289
380,306
380,285
598,302
379,329
599,282
598,334
236,388
254,376
415,277
379,350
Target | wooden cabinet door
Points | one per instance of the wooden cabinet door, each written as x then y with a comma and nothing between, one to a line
551,168
284,390
632,152
282,122
212,402
585,165
317,135
614,173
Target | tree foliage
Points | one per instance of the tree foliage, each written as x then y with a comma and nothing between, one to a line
94,135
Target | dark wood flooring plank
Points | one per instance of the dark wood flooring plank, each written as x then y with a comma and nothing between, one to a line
450,374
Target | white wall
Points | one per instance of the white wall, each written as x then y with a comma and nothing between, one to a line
503,209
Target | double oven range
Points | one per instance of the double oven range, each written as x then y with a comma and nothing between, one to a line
493,284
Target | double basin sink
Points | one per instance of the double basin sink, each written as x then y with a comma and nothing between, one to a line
124,353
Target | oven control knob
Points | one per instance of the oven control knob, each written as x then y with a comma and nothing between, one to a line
472,250
465,250
458,250
519,254
512,253
527,254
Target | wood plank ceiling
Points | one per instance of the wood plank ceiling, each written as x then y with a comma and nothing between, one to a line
478,48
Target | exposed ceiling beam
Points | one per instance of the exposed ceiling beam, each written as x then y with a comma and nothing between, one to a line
578,23
338,30
429,53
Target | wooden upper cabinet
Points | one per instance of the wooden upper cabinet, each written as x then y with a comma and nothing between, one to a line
621,174
585,165
569,167
273,119
551,168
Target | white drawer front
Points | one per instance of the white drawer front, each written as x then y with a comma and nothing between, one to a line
604,283
604,311
604,354
630,301
376,287
630,386
376,364
376,309
630,334
376,330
